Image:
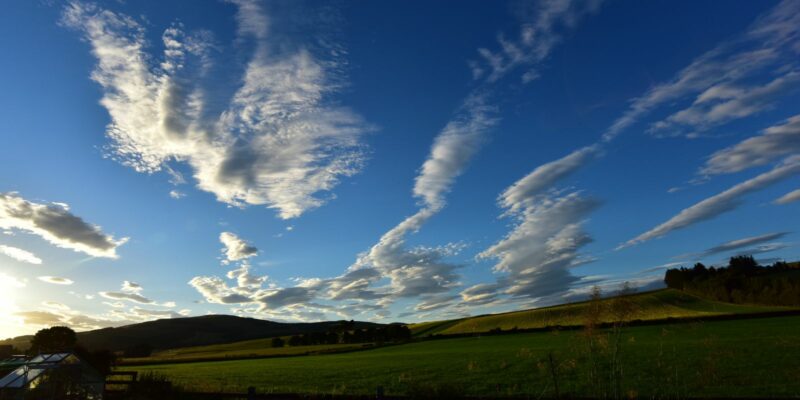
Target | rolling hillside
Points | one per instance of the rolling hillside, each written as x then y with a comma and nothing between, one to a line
194,331
655,305
256,348
745,358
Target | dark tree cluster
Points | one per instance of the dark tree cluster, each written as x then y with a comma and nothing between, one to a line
60,339
743,281
382,334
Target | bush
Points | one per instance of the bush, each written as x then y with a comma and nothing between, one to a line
153,386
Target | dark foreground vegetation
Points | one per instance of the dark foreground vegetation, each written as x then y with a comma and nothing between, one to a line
743,281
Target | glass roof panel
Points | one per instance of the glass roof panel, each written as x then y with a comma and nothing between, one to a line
12,379
39,358
57,357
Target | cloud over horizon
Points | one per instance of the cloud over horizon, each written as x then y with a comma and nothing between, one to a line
56,224
723,202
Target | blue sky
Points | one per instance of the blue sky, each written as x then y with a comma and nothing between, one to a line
388,161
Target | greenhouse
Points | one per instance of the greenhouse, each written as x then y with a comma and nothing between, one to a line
49,376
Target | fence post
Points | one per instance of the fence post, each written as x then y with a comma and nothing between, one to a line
251,393
379,392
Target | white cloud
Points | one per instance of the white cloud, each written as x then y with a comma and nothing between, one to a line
279,143
535,258
131,287
723,103
452,149
739,244
132,292
774,142
481,293
718,76
790,197
176,194
536,183
543,24
136,314
235,248
56,224
56,280
20,254
215,290
134,297
56,305
244,278
720,203
421,270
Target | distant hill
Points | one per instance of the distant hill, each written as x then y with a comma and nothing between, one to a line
193,331
655,305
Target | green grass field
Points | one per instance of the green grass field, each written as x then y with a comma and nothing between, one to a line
258,348
749,357
660,304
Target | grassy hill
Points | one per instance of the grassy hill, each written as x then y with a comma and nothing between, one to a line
194,331
740,358
655,305
258,348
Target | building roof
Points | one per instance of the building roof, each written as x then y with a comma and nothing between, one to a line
28,371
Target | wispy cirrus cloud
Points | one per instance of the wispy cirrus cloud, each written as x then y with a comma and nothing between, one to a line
544,177
773,143
535,258
739,244
20,254
543,25
720,203
278,143
790,197
772,41
723,103
56,224
719,78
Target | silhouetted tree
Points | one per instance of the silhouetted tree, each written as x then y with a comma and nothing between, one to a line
743,281
53,340
742,263
278,342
